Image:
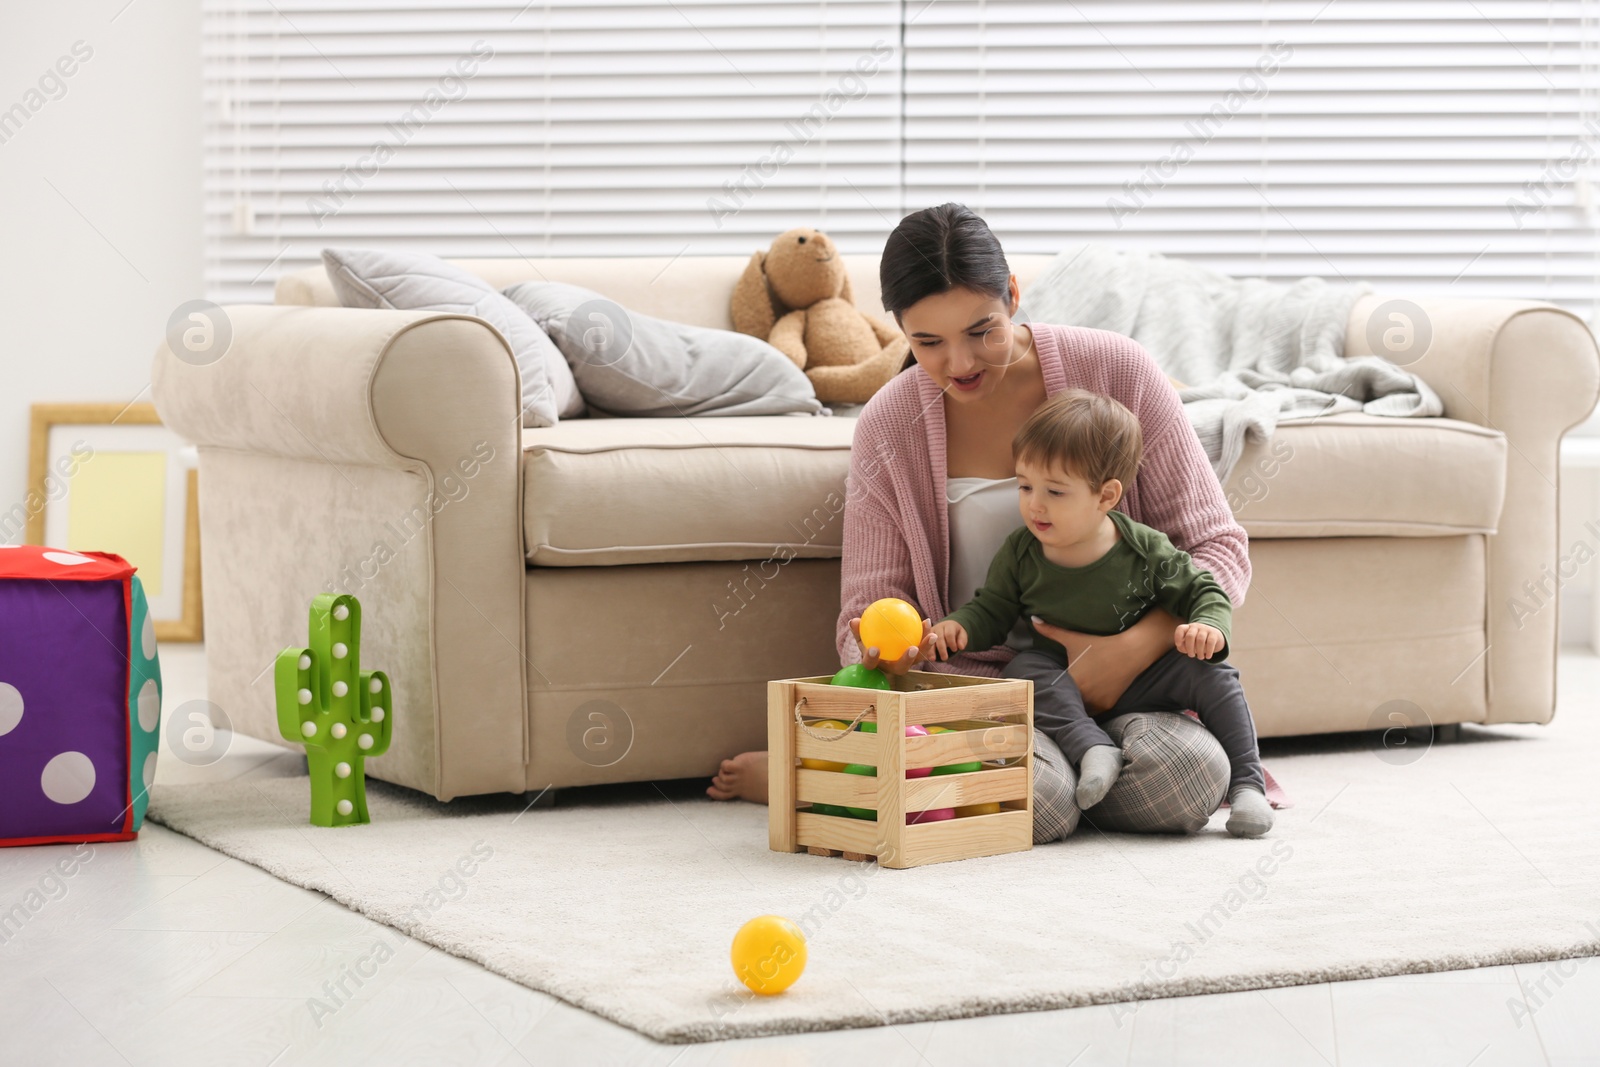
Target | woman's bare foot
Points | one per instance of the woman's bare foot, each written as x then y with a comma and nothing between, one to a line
744,777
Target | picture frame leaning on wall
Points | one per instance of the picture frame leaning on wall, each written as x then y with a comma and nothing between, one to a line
110,477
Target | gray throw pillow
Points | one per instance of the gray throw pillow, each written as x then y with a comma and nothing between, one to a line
631,364
411,281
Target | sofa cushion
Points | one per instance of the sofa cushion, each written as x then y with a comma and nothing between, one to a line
613,491
610,491
416,281
1358,475
628,363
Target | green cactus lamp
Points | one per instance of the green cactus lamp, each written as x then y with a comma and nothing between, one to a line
341,713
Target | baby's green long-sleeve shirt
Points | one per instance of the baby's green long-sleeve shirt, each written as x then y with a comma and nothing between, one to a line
1141,571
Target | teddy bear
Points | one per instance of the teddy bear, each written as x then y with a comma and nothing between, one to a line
796,296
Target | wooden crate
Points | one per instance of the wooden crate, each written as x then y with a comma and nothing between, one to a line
991,720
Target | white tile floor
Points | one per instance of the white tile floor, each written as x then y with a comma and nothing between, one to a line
163,951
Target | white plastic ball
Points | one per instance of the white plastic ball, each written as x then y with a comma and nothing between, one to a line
340,689
364,741
339,730
309,729
339,650
377,714
342,612
345,807
376,685
342,770
305,696
305,663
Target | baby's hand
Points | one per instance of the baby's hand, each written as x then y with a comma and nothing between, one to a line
1198,640
949,636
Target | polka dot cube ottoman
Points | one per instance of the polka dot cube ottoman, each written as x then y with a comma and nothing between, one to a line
80,697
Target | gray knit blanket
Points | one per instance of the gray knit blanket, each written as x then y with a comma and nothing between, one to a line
1250,353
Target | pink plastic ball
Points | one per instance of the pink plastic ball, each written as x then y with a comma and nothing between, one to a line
917,772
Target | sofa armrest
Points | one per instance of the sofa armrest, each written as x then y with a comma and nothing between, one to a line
377,453
1532,371
304,383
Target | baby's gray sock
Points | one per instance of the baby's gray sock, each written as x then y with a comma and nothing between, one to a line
1251,814
1097,773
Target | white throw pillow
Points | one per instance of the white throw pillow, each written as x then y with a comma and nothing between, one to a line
411,281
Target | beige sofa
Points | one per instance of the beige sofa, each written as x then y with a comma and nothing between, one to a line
604,600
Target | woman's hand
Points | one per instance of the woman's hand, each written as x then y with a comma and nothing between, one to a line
1104,667
910,658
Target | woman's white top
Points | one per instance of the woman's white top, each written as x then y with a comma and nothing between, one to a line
982,514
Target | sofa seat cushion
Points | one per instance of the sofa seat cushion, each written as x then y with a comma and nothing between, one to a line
599,492
1357,475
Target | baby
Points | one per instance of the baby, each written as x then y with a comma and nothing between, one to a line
1081,565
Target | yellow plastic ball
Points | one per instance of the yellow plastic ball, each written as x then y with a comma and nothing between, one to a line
990,808
891,626
823,764
769,954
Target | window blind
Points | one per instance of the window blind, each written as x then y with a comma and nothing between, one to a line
573,127
1431,146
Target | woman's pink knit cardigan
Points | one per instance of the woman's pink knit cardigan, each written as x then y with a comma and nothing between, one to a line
897,539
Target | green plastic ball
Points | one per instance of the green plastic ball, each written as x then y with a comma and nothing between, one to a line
860,677
958,768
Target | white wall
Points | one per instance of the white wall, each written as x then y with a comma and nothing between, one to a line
91,268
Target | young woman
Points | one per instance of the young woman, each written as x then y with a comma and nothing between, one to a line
932,494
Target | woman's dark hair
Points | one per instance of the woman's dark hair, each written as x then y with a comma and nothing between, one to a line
938,249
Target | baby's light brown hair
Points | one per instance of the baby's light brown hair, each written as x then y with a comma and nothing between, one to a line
1087,434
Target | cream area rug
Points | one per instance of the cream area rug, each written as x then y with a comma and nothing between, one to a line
1477,852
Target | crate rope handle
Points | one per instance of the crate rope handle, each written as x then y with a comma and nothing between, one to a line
827,735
